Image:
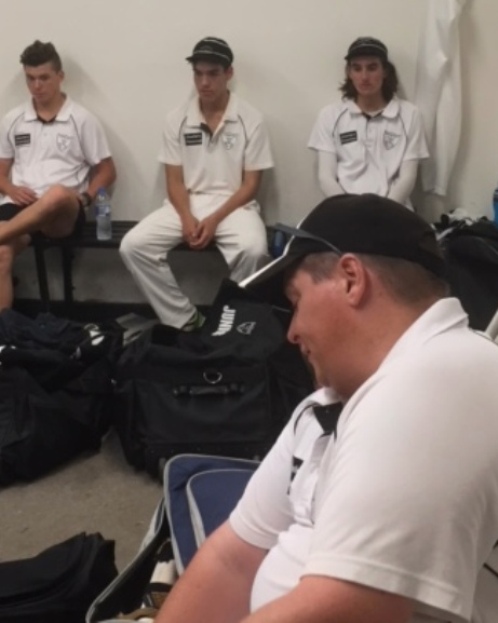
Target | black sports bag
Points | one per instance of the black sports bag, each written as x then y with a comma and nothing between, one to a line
471,253
59,584
226,389
55,390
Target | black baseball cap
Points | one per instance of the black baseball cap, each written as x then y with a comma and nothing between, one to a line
212,50
367,46
366,224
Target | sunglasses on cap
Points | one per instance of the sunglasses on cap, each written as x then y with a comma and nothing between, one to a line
301,233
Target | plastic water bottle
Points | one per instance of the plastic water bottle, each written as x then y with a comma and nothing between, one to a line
495,206
103,215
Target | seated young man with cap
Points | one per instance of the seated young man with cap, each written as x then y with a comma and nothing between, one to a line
379,501
371,141
54,157
215,148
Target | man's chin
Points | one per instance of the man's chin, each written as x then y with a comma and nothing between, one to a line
319,381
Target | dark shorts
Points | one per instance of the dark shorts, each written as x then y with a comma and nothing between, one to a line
9,210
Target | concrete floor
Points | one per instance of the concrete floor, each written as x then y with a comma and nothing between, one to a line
94,493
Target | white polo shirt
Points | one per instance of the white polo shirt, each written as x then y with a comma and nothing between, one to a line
405,497
369,150
61,151
213,164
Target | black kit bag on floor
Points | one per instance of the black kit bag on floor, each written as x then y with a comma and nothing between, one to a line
55,390
226,389
59,584
471,252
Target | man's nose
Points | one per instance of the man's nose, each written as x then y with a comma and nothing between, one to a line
292,335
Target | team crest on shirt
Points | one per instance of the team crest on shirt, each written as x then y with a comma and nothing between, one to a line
391,139
229,140
63,142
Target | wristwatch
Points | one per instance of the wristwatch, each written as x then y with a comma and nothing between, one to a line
85,200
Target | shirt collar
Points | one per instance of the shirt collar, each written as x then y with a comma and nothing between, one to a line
64,113
195,118
325,406
442,316
328,416
391,111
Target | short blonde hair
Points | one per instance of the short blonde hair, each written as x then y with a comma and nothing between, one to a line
407,282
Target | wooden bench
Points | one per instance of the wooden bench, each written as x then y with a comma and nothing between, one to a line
87,240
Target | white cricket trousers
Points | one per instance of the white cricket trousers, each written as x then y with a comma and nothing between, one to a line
240,237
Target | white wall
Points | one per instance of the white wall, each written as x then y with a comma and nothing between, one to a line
124,60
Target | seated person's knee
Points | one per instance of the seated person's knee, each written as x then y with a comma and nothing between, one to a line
129,245
254,248
59,195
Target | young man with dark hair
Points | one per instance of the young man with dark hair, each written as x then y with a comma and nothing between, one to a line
39,53
379,501
371,141
215,148
54,157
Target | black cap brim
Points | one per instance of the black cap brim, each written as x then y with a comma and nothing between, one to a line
207,57
268,283
367,51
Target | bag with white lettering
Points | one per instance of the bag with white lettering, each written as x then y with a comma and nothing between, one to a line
226,389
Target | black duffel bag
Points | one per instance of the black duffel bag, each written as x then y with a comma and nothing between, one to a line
226,389
471,252
59,584
55,390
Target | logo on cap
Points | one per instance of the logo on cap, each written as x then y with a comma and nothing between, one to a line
246,328
226,321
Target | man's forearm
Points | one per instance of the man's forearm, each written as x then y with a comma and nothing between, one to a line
103,176
402,187
5,185
241,197
216,586
179,198
327,174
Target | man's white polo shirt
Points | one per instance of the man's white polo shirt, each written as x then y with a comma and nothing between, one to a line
214,163
61,151
405,497
369,149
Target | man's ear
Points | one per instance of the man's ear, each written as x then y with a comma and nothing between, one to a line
355,278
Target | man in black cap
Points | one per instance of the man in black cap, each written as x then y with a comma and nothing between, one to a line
371,141
215,148
379,501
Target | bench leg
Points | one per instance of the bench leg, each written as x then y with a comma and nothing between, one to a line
41,271
67,276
